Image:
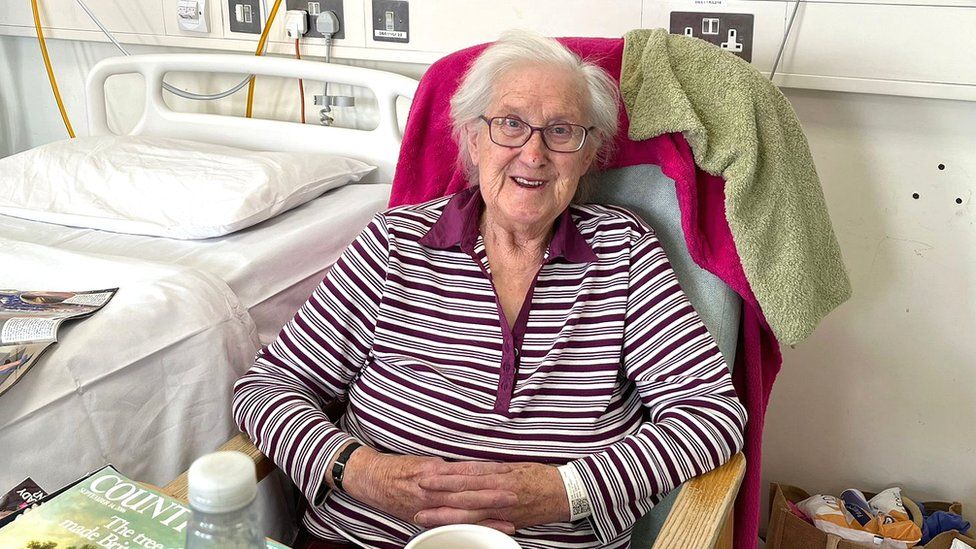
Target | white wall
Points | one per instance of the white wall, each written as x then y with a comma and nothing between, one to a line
883,392
914,48
28,114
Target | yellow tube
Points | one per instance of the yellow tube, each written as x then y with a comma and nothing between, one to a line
260,50
50,73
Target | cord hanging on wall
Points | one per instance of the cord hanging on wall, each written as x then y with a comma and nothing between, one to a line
260,51
786,36
50,71
168,87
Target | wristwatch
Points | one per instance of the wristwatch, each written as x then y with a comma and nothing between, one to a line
338,471
339,465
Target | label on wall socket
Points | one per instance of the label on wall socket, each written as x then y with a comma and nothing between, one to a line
391,21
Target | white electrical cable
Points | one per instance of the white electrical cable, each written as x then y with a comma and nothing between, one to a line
786,37
170,88
327,24
328,57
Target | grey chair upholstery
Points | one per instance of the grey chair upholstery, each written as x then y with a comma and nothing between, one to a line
647,192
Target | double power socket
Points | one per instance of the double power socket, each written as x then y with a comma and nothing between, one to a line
246,15
732,32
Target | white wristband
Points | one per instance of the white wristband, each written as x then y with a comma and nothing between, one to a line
579,501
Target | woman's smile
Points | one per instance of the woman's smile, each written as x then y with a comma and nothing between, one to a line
527,182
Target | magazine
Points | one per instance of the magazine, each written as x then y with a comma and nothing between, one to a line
105,509
29,324
20,497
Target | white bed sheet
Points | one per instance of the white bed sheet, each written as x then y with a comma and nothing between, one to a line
144,384
272,267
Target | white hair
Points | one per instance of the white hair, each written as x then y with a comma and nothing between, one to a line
518,48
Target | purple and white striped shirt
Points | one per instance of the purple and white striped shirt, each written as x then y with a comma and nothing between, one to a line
607,367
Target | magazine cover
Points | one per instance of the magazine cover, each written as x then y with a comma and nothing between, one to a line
29,322
106,509
20,497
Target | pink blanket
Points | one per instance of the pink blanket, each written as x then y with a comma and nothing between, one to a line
428,169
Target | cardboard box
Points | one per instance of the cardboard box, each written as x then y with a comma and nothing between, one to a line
787,531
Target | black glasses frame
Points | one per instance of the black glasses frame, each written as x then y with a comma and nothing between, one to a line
533,129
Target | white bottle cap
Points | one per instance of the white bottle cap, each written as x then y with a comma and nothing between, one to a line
222,482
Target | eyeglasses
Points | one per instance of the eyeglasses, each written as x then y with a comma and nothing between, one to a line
513,133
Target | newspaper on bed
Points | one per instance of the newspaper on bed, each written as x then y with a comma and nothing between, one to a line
104,509
29,322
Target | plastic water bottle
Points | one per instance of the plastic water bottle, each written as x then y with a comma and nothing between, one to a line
223,488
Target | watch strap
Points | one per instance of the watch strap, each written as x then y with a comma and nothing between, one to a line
339,465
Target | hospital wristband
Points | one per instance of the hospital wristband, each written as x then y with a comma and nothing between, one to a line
579,501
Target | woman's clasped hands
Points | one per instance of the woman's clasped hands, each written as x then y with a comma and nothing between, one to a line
432,492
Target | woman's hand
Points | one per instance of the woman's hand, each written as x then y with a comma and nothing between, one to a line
541,495
393,484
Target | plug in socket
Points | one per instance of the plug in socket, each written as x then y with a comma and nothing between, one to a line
315,7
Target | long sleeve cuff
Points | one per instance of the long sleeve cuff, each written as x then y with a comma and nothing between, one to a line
295,434
318,487
622,481
614,507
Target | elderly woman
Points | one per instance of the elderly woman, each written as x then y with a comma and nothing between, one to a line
505,357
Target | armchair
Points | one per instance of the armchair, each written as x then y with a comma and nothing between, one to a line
698,514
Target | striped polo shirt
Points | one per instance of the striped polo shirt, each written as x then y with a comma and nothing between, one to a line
607,368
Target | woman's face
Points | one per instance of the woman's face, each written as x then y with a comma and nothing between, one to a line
526,188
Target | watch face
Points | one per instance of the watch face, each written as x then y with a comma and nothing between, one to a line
337,469
339,466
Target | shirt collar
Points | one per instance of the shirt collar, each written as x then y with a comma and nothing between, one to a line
458,226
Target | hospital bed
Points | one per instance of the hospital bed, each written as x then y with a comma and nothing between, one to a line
146,383
273,266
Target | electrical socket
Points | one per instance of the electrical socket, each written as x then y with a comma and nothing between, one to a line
730,31
245,16
315,7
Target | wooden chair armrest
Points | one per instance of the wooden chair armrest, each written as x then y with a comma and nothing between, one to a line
702,514
240,443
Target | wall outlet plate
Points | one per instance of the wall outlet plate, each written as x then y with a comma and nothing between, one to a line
314,8
730,31
245,16
391,21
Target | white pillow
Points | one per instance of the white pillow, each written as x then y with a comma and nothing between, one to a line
163,187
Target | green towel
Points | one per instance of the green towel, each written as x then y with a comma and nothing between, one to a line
741,127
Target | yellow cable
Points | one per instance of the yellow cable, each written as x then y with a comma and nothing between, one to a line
50,73
260,50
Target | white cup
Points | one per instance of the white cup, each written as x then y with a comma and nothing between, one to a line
462,536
